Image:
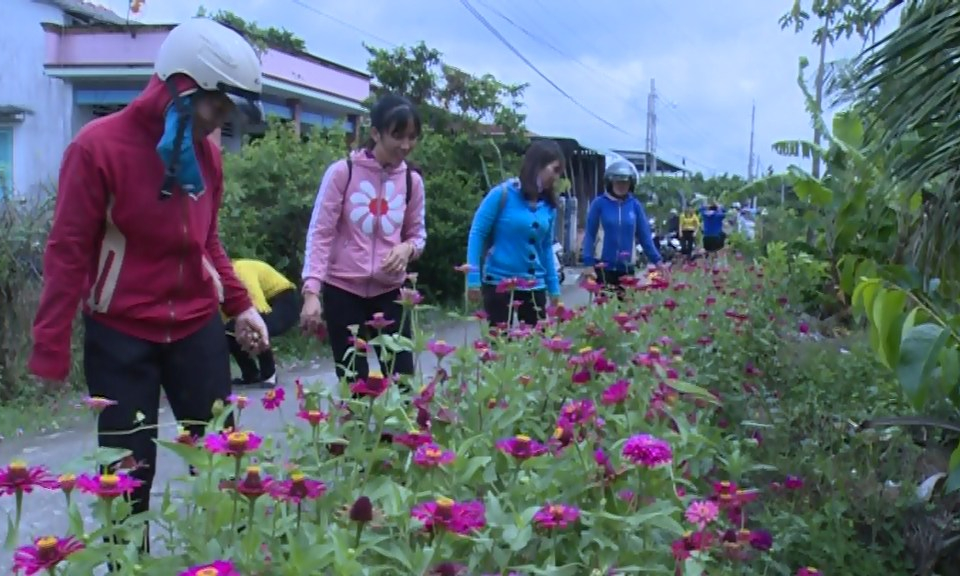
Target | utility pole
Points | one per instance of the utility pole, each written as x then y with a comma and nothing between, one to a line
753,120
652,129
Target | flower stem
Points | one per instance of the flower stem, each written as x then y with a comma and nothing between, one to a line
236,497
299,514
356,538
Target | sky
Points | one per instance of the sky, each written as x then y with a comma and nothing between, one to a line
711,61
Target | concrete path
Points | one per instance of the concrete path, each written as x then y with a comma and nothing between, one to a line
44,511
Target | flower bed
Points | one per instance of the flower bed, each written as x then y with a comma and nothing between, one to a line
596,444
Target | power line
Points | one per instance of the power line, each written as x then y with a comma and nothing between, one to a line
493,30
333,18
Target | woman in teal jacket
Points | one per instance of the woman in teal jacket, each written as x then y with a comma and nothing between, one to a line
510,247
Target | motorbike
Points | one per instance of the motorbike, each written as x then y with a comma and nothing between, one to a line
558,261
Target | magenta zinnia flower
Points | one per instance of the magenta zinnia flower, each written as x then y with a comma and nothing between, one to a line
107,486
44,554
97,403
556,516
521,447
379,321
701,513
648,451
218,568
429,455
615,393
373,386
20,478
413,439
253,485
273,398
457,517
809,571
557,344
314,417
297,489
577,412
233,443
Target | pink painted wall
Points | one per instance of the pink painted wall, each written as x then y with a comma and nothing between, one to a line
120,48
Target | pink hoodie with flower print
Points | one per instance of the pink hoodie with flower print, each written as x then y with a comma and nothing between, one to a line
352,230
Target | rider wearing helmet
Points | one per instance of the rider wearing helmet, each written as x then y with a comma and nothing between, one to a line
624,223
134,237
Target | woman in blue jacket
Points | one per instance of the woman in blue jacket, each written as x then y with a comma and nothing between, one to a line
510,247
624,223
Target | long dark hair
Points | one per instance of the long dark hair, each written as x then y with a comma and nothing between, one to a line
539,155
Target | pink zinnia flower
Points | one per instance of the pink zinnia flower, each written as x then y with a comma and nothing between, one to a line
809,571
379,321
702,512
20,478
440,349
273,398
648,451
615,393
429,455
98,404
556,516
233,444
297,489
521,447
44,554
457,517
314,417
107,486
557,344
409,298
218,568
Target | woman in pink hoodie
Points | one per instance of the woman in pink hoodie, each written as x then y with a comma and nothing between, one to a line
367,226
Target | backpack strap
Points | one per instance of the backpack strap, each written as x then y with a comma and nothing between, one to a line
409,185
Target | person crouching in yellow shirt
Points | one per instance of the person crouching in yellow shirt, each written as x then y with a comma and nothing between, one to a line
278,301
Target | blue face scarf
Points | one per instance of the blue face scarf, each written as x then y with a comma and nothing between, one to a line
185,167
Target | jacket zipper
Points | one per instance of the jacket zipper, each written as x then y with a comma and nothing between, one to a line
182,251
619,231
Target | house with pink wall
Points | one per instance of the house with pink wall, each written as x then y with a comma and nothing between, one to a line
77,61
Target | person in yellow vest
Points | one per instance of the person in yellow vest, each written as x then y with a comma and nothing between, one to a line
278,301
689,225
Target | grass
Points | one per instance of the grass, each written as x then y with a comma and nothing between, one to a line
39,414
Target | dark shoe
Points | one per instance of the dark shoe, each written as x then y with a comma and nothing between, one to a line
246,382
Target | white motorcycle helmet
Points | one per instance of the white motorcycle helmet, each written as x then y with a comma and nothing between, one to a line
217,58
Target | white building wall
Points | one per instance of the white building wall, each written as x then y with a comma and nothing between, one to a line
39,140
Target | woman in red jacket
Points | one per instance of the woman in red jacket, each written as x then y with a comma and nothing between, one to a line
135,237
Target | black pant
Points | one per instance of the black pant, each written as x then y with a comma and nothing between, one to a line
687,242
714,243
193,372
610,279
532,308
284,314
342,309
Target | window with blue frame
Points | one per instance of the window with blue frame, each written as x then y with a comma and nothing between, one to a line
6,160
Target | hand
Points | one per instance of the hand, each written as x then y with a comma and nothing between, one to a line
397,259
251,332
311,314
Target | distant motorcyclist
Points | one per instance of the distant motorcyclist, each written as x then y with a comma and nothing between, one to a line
624,223
673,224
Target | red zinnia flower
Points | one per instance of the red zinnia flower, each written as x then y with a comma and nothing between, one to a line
314,417
372,387
253,485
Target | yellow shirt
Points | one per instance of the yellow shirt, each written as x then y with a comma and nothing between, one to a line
690,222
262,281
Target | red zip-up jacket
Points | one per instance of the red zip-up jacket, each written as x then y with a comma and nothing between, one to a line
150,268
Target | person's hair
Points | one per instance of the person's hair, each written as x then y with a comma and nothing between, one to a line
393,114
539,155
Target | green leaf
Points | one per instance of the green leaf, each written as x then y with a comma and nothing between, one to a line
919,352
953,480
848,128
887,316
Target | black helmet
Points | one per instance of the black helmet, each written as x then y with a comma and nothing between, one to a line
620,171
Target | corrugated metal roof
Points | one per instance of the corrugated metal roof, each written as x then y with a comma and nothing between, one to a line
96,12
